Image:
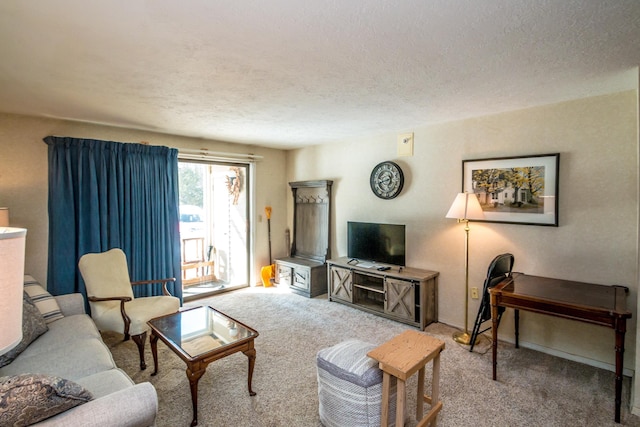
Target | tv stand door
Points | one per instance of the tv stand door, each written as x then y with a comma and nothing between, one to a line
340,284
400,298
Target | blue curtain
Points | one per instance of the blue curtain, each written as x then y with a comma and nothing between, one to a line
104,195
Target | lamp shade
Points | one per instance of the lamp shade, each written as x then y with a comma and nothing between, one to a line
12,245
4,217
465,206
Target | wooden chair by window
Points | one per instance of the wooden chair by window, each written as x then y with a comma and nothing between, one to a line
196,262
113,305
499,269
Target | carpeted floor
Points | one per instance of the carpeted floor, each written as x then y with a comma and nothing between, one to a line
533,389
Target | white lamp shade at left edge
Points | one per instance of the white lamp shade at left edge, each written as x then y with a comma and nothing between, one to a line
12,248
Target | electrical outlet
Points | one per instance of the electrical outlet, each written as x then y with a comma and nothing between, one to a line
474,293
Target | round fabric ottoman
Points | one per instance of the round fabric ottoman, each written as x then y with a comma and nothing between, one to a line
350,386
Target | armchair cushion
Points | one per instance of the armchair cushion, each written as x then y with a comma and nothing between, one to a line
139,310
33,325
45,302
71,349
29,398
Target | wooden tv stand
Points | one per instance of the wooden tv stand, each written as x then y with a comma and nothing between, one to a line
407,295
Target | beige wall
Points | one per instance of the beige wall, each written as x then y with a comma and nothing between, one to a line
24,186
598,233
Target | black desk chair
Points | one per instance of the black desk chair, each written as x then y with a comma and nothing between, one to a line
499,269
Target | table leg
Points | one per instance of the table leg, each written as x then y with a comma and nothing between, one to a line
401,390
621,327
435,387
251,355
494,334
386,387
194,376
153,340
420,398
516,318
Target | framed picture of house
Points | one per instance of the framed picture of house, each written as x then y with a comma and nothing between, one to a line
521,190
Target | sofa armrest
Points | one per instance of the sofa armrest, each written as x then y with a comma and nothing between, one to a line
135,406
71,304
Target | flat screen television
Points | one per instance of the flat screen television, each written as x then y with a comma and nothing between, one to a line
380,243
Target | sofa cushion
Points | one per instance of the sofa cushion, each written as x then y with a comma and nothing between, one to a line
71,349
106,382
33,325
45,302
133,406
67,330
29,398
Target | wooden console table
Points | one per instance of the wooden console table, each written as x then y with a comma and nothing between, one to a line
597,304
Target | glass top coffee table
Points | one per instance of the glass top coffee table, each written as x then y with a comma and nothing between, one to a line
199,336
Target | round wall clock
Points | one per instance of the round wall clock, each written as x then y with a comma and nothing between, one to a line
386,180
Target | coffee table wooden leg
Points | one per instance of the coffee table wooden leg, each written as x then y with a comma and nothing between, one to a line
194,377
251,354
153,340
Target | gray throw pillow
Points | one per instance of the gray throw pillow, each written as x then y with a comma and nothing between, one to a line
33,325
29,398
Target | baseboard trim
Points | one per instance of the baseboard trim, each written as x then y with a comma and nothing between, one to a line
574,357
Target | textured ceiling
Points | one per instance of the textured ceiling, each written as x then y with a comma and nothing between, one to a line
290,73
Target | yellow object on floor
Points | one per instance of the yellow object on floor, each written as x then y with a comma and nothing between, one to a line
267,274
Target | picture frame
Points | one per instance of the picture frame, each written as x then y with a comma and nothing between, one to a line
516,190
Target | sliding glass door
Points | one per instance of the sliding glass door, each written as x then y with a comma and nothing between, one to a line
214,235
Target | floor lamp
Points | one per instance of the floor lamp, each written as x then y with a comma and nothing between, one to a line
465,207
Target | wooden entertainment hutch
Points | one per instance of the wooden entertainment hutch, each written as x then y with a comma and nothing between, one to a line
407,295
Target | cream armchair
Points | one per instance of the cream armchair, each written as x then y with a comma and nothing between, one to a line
110,296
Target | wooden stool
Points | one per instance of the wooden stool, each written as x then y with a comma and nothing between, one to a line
402,357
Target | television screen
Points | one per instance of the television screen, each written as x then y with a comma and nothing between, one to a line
380,243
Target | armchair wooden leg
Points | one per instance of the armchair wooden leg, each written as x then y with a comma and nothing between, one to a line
139,340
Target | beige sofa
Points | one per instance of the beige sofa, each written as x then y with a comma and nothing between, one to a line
72,349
